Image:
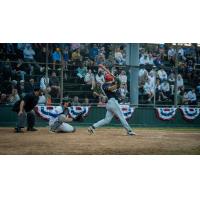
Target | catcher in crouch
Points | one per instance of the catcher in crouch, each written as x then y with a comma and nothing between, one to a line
59,120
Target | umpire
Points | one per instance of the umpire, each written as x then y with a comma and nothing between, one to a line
24,109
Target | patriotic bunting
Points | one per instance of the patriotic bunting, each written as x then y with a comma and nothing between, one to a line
189,113
46,111
166,113
127,111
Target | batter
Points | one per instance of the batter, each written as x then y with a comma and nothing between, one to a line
110,89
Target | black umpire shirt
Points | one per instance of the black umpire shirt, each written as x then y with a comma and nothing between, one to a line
30,101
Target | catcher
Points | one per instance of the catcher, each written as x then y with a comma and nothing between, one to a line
58,121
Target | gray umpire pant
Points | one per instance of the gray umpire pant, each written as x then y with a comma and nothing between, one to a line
28,117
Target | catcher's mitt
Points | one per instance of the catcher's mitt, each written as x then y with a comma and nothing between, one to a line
80,117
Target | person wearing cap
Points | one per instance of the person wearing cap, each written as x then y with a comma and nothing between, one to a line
111,90
59,120
24,109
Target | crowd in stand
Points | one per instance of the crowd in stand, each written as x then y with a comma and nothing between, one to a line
22,66
157,74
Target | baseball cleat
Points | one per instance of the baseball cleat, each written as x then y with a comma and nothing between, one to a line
18,130
91,130
131,133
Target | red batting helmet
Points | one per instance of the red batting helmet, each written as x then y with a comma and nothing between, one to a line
109,77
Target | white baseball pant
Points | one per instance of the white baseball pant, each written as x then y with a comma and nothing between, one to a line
65,128
113,109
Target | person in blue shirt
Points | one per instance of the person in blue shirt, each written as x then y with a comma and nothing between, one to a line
94,51
56,57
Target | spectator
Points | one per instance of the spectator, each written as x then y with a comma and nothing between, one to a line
162,75
100,59
123,92
20,69
181,56
144,60
44,84
143,76
189,70
14,97
158,61
119,57
81,72
142,72
122,77
56,57
158,89
165,90
75,101
102,101
180,83
192,99
76,56
29,54
94,51
98,92
149,89
55,85
185,98
86,102
100,77
172,55
151,59
171,79
89,79
21,88
152,78
3,99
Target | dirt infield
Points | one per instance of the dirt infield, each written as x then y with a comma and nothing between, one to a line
105,141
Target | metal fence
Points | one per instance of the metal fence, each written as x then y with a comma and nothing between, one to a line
64,73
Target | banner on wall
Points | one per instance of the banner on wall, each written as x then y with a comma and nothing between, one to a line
166,113
46,111
189,113
127,110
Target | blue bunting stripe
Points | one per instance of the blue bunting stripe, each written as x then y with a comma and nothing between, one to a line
166,113
189,113
44,112
75,110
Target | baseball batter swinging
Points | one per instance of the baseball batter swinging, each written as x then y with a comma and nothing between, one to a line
110,88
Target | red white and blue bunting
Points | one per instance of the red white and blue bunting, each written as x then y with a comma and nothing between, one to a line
74,111
189,113
46,111
127,110
166,113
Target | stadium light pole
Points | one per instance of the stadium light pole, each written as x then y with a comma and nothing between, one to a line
132,59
